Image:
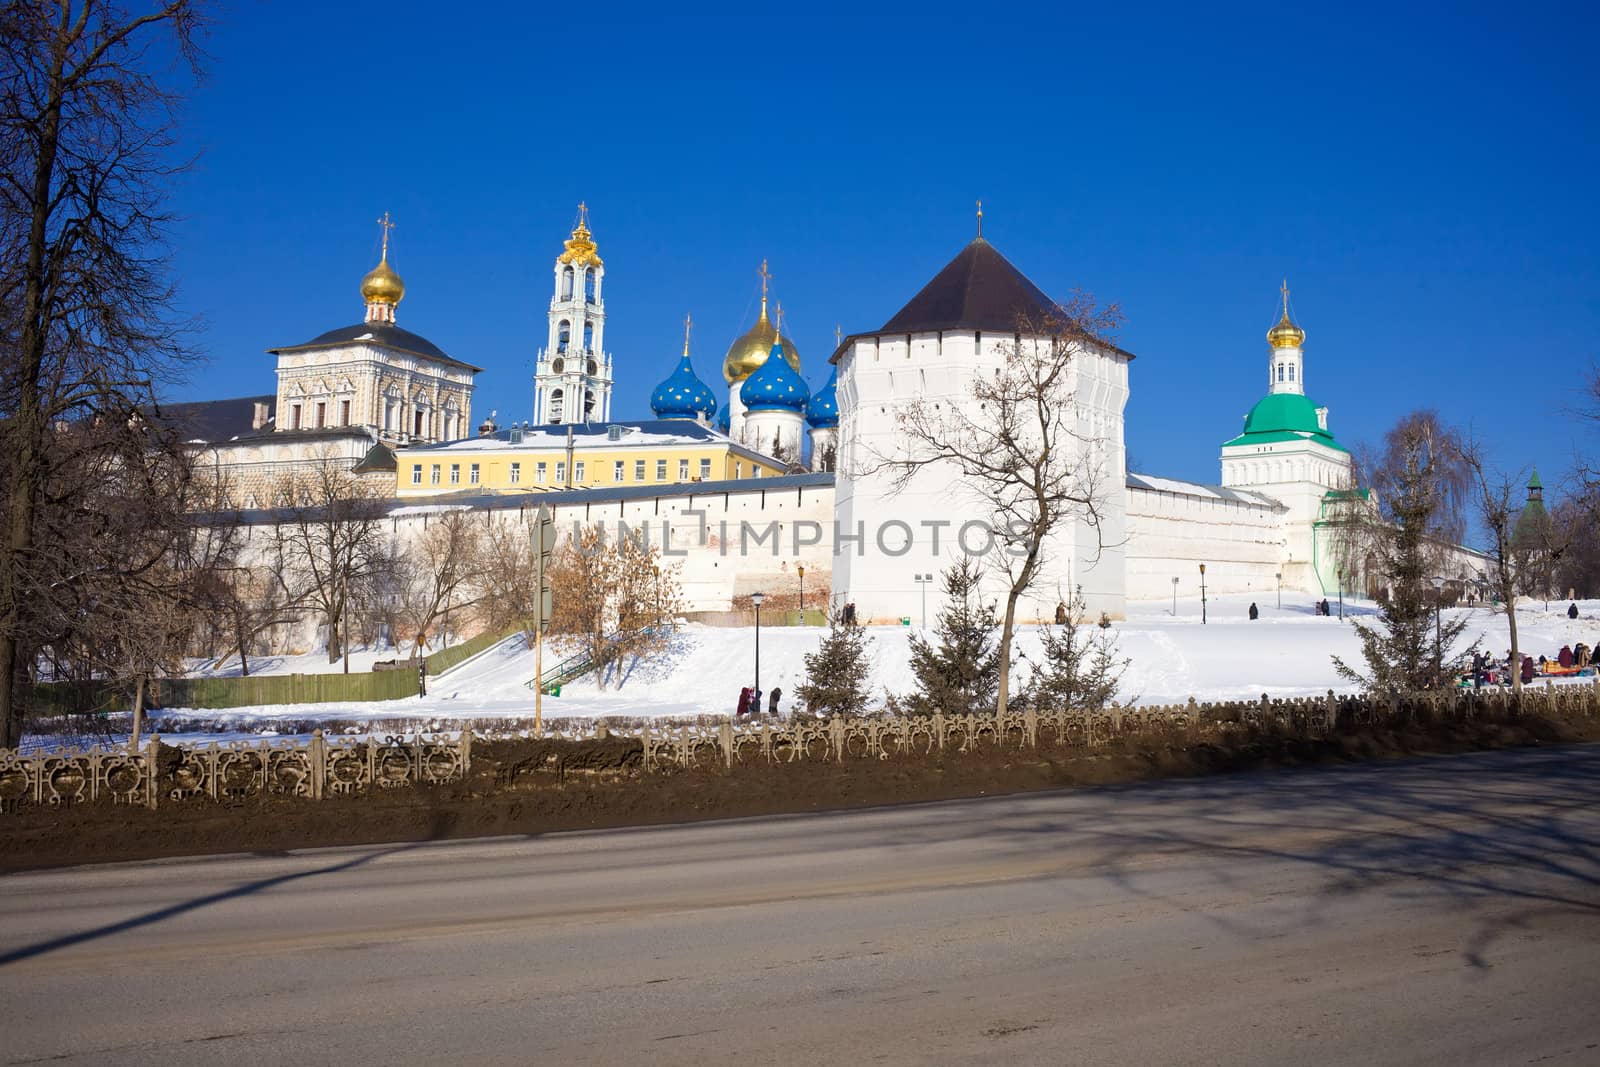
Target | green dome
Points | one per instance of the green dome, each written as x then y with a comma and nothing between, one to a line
1283,411
1284,417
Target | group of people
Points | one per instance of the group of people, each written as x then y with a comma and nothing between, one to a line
1322,607
750,702
1488,670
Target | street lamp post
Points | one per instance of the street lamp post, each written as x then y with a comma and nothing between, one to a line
1174,596
1202,594
1340,573
923,580
756,599
800,569
1279,576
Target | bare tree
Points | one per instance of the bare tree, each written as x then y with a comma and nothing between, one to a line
440,572
330,533
504,577
1495,496
614,596
86,325
1362,524
1017,441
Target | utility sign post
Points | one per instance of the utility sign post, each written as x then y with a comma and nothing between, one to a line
544,545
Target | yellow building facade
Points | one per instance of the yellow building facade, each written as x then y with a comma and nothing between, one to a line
542,459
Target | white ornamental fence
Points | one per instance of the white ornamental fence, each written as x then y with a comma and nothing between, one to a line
321,767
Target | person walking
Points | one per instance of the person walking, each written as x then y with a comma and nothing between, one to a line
744,703
1572,610
1254,612
772,701
1527,670
1564,657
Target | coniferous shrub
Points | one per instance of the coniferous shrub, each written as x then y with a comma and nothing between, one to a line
958,671
837,672
1080,665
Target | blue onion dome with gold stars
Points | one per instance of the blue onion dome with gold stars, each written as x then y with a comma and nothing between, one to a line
774,386
683,395
822,410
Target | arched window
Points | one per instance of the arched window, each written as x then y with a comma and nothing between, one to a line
563,335
555,405
588,285
566,283
588,337
1291,372
1280,372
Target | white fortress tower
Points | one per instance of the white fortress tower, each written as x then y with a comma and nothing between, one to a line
962,325
572,379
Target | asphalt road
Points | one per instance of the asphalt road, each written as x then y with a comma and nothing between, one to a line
1440,911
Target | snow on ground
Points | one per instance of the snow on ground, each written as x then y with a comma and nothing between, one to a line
1286,653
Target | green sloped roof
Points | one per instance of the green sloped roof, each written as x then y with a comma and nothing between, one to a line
1284,417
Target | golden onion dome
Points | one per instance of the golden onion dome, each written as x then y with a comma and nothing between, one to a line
1286,334
753,346
382,285
581,251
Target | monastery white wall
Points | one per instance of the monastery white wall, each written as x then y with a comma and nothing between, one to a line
1170,533
725,543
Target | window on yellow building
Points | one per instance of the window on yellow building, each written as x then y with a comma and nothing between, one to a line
661,470
738,470
433,474
472,474
561,473
577,472
455,474
616,471
516,473
705,470
416,474
538,473
638,470
683,470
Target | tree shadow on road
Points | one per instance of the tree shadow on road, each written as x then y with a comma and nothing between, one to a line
1464,832
172,911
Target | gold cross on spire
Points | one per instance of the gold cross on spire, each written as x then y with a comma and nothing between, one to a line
1284,289
766,276
980,218
387,226
688,324
780,322
583,214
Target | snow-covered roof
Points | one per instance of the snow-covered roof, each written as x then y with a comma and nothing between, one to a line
1213,492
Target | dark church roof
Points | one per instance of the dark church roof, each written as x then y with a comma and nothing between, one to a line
217,420
978,290
382,333
378,458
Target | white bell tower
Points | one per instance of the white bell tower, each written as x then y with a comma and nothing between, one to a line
1286,370
572,378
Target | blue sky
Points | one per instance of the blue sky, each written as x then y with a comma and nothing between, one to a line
1425,179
